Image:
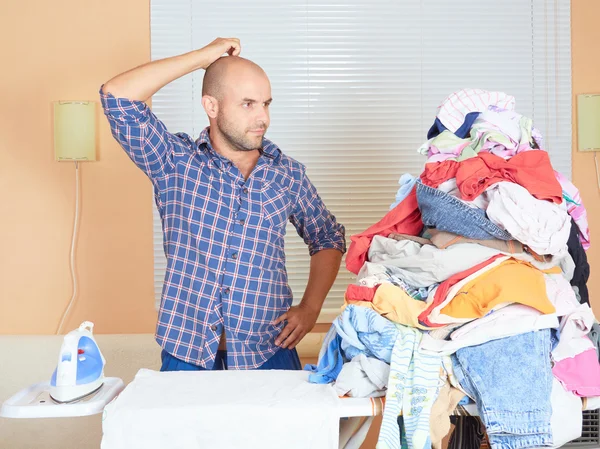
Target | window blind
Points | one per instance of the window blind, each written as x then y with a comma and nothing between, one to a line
356,84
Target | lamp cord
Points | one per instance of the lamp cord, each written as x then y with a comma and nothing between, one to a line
73,242
597,173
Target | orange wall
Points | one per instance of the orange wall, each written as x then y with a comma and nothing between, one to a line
585,50
65,50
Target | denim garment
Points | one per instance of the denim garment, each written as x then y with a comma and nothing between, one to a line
513,398
447,213
283,359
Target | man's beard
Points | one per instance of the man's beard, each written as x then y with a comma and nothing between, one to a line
239,140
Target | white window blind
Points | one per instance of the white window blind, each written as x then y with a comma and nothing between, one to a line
356,84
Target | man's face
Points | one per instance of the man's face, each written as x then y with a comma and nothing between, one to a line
243,115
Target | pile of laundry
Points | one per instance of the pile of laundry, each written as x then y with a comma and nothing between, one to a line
472,289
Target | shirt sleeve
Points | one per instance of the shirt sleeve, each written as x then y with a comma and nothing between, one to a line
314,223
141,134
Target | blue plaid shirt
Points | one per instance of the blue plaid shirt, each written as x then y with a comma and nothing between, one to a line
223,237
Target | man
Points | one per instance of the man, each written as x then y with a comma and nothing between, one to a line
224,201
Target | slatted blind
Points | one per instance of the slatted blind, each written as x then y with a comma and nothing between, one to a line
356,84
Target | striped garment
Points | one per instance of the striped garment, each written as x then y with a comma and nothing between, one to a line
456,106
414,383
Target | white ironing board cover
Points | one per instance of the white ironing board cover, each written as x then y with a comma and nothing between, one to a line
222,409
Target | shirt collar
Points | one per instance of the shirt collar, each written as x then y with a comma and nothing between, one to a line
269,149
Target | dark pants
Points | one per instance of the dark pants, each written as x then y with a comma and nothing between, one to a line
283,359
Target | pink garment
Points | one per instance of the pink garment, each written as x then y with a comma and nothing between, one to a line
360,293
576,210
435,155
580,374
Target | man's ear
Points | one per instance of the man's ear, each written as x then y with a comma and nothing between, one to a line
211,106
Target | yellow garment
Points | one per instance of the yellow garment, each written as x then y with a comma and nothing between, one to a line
393,303
510,282
439,420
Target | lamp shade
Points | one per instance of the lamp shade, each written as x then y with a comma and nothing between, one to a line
75,130
588,122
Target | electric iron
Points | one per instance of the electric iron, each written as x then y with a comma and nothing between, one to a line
80,369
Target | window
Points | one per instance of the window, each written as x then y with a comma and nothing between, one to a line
356,84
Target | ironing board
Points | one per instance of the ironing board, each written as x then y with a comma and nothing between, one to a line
35,402
158,402
156,406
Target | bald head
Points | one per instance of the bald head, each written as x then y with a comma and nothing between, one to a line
236,95
224,71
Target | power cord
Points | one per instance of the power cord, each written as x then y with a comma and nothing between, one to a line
72,260
597,172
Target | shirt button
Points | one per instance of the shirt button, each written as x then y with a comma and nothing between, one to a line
213,328
234,256
226,291
242,222
245,190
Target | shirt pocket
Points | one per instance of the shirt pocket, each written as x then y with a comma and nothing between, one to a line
276,206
